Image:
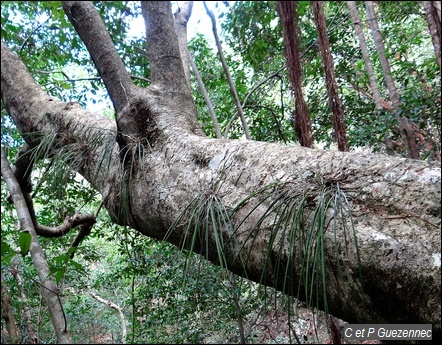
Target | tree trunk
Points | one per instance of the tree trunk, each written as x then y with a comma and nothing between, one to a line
405,127
232,86
169,163
50,290
206,98
340,129
181,18
7,314
301,121
363,44
379,104
432,13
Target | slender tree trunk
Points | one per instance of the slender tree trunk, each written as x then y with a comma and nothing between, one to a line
7,314
405,127
379,104
301,121
363,44
206,98
181,18
432,13
50,290
340,129
232,86
252,90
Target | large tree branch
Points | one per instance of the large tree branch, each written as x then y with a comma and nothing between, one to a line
89,25
167,69
87,134
395,202
169,82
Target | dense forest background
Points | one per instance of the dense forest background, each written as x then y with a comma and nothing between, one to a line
124,287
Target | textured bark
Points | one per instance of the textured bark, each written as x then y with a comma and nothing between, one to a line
49,290
301,121
339,127
432,13
395,202
181,18
405,127
363,44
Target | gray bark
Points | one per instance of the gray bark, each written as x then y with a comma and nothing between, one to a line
395,202
181,18
363,44
232,86
50,291
206,98
406,130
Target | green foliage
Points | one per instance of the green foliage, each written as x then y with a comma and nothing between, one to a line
24,241
253,32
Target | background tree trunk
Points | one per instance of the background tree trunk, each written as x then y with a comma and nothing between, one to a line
7,314
301,121
405,127
363,44
340,129
181,18
232,86
33,339
432,13
50,290
118,309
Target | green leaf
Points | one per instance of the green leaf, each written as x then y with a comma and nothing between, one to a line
6,249
7,253
78,267
24,241
6,259
59,274
65,86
